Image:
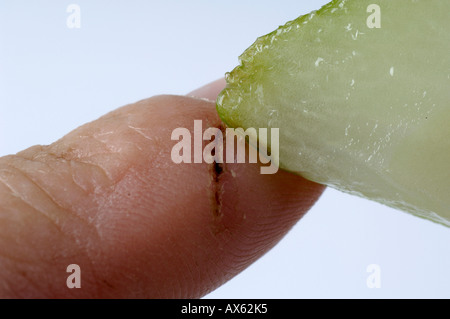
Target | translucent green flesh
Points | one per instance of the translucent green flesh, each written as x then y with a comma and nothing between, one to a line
366,111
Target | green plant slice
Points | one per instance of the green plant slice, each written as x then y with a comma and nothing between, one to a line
363,109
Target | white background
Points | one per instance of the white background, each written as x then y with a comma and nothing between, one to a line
53,79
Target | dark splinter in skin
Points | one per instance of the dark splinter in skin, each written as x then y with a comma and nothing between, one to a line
216,171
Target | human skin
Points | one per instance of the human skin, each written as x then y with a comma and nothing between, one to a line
108,197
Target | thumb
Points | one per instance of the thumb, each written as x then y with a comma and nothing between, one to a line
108,198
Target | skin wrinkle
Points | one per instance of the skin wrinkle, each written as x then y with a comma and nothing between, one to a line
119,153
26,202
213,260
259,236
92,157
110,149
195,272
33,281
190,274
89,254
44,160
211,275
13,288
74,179
4,183
191,265
25,280
4,284
48,157
11,257
92,146
58,207
75,170
21,268
114,179
79,246
258,244
96,137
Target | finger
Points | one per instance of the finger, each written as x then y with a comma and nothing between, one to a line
109,198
